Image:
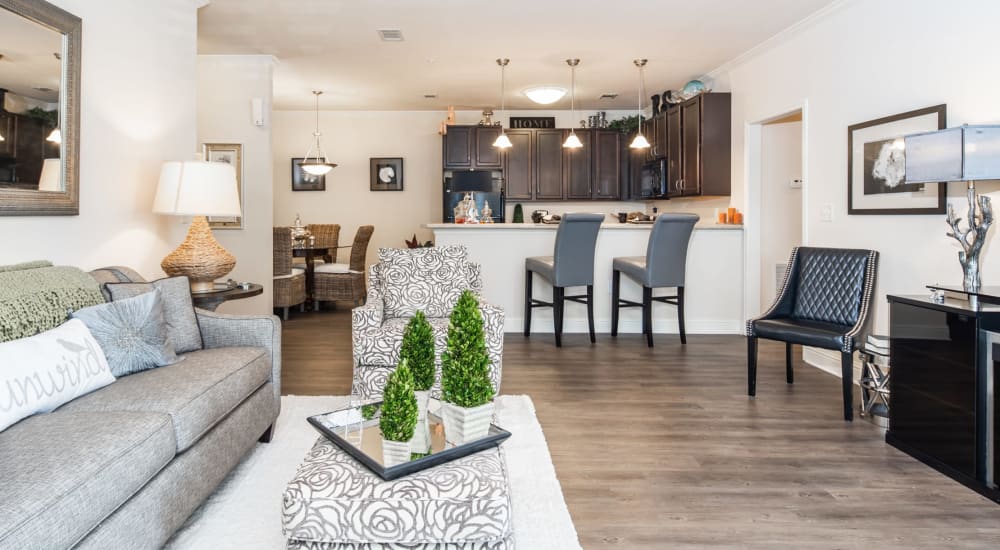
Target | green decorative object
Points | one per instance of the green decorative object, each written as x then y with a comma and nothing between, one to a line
368,411
48,118
518,213
417,350
399,406
465,377
35,298
625,125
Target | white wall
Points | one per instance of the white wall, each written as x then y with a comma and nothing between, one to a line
226,84
351,138
137,102
858,61
781,212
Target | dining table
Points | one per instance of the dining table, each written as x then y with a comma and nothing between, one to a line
310,252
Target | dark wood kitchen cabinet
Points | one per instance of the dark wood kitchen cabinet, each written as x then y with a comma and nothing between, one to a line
608,165
471,147
517,168
673,164
579,167
706,145
8,129
690,182
548,164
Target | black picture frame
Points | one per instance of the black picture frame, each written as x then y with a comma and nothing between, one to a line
863,136
304,181
386,173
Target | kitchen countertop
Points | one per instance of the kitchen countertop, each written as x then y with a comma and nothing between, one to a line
544,226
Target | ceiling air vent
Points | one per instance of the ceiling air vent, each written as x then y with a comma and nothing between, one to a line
390,35
608,95
430,96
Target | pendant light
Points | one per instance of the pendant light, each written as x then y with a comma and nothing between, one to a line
55,136
572,141
640,141
502,141
319,164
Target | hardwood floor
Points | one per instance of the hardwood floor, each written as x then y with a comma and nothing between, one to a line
662,448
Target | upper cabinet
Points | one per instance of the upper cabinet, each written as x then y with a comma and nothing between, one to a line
471,148
487,156
458,147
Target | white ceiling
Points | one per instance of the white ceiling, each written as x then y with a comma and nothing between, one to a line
450,46
28,61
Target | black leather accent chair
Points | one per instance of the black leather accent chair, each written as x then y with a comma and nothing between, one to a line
824,302
572,264
663,265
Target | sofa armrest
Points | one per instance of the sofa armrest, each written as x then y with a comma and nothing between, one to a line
219,330
493,327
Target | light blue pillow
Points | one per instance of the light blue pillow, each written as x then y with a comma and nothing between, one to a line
131,332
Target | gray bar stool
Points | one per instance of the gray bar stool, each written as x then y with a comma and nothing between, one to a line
663,266
571,265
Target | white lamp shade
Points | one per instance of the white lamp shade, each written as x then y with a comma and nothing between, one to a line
502,141
572,141
55,136
51,178
197,188
639,142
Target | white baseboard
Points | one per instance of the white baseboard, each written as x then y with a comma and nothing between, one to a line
829,361
660,326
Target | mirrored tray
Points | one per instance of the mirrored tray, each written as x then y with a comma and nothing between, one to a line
355,430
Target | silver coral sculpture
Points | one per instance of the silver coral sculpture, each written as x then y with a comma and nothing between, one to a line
973,238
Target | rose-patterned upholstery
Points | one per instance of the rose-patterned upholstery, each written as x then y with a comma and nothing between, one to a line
428,279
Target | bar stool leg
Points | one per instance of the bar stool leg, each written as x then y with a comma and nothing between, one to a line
680,314
590,312
647,314
557,308
527,302
616,283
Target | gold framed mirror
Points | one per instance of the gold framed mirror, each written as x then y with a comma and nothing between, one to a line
39,109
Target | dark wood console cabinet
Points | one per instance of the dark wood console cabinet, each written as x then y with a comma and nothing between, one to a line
943,359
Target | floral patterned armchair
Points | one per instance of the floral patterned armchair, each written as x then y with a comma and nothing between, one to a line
404,281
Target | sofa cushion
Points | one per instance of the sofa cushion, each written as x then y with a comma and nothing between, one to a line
197,393
382,346
131,332
44,371
178,309
62,473
426,279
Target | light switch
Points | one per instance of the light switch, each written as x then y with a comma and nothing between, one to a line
795,183
826,213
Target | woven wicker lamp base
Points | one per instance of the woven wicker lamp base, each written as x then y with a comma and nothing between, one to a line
200,257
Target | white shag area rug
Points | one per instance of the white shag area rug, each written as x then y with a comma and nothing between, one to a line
245,511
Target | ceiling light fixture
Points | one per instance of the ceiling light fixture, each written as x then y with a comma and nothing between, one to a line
319,164
502,141
572,141
545,95
640,141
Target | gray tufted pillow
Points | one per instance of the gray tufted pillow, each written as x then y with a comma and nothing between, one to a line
178,309
131,333
426,279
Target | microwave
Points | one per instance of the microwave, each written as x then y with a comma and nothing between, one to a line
653,179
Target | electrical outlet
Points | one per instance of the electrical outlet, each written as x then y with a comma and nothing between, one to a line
826,213
796,183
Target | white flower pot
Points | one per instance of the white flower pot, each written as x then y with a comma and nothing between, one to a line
395,452
462,425
421,442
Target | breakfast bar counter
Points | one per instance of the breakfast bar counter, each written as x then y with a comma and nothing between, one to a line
713,290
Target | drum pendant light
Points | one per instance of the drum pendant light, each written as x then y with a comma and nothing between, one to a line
502,141
317,165
572,141
640,141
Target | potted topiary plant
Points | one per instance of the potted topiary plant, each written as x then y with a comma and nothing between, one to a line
417,351
466,389
399,416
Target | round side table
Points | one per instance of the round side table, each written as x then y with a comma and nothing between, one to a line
212,300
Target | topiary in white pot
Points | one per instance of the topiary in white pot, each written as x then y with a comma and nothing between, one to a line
466,389
418,352
399,416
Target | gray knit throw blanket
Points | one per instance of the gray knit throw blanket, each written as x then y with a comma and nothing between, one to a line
35,296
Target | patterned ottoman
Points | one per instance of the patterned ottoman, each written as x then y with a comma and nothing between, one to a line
335,503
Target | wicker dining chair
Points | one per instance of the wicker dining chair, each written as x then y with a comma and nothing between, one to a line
289,282
344,282
327,234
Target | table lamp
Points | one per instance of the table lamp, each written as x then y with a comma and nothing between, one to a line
967,153
198,189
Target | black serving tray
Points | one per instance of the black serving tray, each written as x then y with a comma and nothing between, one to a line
360,437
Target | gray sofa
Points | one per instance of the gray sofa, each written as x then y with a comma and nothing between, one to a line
123,467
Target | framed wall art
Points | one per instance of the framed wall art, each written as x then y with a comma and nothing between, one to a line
386,174
304,181
876,166
230,153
